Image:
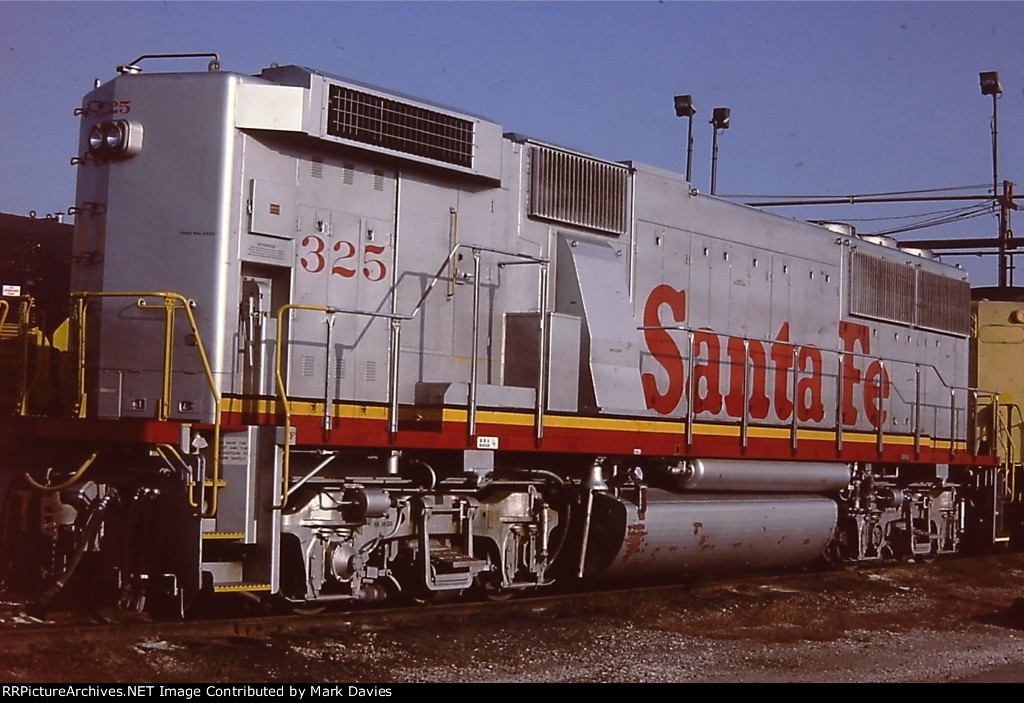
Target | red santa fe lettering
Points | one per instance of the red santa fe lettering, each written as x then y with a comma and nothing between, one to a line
663,348
749,362
782,357
876,391
853,336
857,341
810,371
741,357
707,372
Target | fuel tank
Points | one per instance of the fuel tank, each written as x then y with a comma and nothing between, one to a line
671,535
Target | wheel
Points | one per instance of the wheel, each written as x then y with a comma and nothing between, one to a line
498,594
306,608
933,552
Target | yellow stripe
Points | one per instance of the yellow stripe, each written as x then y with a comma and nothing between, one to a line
301,407
603,424
237,405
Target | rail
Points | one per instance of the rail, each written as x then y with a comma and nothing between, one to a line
22,388
395,320
1010,450
172,303
1013,452
917,405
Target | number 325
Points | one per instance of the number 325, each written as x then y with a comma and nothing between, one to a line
317,253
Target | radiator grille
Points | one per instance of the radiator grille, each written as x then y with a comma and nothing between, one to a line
945,303
577,190
882,289
372,119
889,290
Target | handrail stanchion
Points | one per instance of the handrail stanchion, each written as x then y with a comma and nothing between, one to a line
171,303
474,347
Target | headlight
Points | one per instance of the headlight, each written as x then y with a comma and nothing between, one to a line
113,137
118,139
95,138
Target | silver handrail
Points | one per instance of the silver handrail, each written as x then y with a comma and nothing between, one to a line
396,320
917,405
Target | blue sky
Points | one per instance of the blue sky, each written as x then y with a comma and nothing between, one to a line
830,98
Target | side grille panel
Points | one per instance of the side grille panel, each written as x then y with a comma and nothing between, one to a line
882,289
945,304
577,190
391,124
892,291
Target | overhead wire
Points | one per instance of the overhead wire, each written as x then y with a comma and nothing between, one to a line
923,220
974,186
961,209
936,222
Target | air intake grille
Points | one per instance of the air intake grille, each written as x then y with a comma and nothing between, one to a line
882,289
579,191
372,119
944,303
889,290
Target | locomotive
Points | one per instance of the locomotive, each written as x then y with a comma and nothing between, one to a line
327,343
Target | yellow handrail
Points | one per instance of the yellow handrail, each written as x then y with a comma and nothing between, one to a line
1011,460
26,303
71,481
162,450
283,393
172,302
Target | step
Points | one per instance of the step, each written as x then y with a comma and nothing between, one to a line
241,587
451,561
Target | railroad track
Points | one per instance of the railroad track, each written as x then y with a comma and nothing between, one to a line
749,628
20,628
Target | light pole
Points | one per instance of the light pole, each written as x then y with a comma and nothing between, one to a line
685,108
990,86
720,123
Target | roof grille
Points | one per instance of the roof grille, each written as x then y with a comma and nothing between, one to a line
882,289
578,190
383,122
889,290
944,303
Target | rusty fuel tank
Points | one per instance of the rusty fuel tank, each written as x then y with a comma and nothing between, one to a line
673,535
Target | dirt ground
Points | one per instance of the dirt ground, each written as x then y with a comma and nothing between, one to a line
946,621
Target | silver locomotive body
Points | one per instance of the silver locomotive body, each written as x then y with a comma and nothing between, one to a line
352,343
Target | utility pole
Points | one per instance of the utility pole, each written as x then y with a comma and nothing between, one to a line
1006,261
